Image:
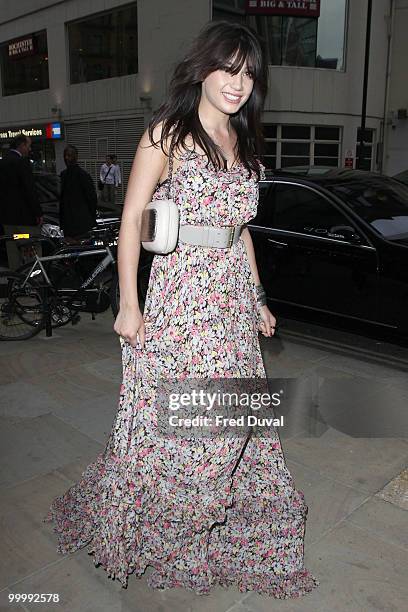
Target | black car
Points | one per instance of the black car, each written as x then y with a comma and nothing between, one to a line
402,177
331,244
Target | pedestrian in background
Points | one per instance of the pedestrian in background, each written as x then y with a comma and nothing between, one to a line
109,180
78,197
20,210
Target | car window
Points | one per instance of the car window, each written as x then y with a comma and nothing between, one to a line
262,216
381,201
299,209
402,177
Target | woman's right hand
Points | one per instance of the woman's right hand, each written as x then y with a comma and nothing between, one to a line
129,324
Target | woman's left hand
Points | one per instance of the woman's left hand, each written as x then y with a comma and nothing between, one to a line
268,322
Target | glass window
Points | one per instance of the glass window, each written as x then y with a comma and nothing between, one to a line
299,209
296,132
287,162
382,202
24,64
270,133
295,41
301,145
295,148
104,46
295,154
326,161
366,161
270,148
230,10
331,34
264,212
326,149
298,42
326,133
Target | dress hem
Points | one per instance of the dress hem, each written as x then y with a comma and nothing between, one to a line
294,586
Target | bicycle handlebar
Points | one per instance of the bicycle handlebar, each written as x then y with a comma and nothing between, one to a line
28,241
105,234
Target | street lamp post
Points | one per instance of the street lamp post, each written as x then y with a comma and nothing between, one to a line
360,156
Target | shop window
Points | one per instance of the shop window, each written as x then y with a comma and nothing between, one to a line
295,41
104,46
24,64
301,145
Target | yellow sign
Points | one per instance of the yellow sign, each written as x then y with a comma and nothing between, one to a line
18,236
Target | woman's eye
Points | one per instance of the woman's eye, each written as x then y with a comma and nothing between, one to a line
228,69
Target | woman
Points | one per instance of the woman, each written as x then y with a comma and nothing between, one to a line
209,510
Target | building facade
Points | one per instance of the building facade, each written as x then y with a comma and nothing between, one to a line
103,69
90,72
396,142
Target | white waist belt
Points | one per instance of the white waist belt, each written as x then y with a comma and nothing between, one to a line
210,236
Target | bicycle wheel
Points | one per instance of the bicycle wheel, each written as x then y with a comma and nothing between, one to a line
114,295
22,313
61,312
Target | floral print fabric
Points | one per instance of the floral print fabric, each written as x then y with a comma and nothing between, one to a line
206,511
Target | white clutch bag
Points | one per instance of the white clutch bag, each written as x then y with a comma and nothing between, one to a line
160,226
160,222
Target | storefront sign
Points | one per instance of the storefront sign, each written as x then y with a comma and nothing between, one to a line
50,131
53,130
300,8
21,47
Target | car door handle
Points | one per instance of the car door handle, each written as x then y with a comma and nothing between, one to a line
280,245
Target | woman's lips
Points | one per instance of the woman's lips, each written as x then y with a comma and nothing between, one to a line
231,100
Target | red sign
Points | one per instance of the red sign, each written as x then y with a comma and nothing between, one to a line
349,162
300,8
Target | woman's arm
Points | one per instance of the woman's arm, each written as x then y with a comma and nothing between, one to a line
246,237
147,168
268,321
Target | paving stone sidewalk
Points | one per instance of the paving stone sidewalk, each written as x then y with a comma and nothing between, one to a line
58,400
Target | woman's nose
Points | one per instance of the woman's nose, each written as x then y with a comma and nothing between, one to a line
236,81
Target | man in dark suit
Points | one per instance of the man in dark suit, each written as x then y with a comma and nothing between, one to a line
20,210
78,197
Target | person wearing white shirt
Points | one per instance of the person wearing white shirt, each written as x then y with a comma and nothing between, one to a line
111,178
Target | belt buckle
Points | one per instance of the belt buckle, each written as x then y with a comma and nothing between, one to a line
231,237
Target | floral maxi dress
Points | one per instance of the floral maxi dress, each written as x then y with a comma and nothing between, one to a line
212,511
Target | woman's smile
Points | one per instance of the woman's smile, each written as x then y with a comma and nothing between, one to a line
232,98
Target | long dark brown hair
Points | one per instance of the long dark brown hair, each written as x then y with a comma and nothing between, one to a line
218,43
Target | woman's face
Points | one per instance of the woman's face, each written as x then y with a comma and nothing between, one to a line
228,92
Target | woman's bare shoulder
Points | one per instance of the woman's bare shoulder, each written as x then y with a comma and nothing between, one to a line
154,141
161,143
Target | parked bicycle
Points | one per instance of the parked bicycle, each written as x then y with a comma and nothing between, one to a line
52,291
